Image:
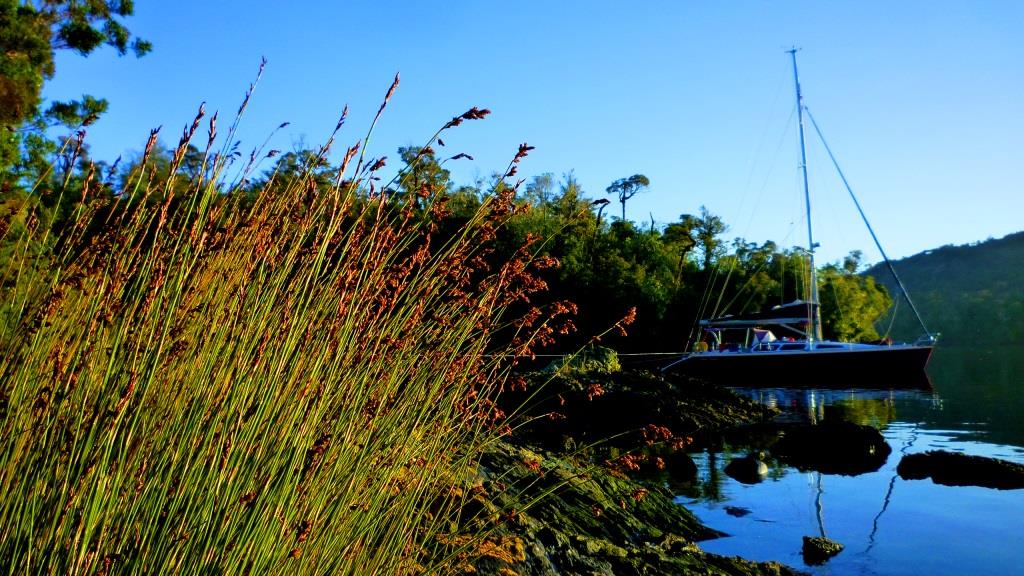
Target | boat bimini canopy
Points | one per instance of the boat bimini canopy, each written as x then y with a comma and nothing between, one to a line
797,313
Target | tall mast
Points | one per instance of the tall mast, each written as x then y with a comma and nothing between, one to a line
815,329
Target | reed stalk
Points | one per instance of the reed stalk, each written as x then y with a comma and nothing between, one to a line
296,383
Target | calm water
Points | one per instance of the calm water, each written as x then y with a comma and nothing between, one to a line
888,525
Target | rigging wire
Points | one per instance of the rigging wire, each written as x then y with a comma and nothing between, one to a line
716,269
728,305
752,161
871,230
715,273
892,485
839,304
784,137
892,319
704,300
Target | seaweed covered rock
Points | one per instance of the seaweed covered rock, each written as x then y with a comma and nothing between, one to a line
818,550
546,515
591,361
954,469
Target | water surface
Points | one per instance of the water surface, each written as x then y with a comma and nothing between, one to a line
888,525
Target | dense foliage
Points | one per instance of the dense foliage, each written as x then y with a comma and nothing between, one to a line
670,275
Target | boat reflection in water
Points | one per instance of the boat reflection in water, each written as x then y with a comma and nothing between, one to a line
876,408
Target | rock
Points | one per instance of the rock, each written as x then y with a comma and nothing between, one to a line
737,511
747,470
681,466
954,469
818,550
832,447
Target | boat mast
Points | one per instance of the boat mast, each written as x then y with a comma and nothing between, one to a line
814,333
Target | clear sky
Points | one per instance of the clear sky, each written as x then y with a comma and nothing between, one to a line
922,101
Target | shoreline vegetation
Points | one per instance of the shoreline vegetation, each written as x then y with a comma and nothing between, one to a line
310,376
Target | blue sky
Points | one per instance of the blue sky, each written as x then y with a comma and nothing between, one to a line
920,100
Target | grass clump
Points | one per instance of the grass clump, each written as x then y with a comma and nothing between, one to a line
205,381
590,360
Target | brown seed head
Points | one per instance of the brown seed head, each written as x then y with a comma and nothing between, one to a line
387,97
524,149
475,113
212,130
247,499
341,121
302,531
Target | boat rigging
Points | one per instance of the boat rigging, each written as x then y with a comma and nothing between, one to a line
803,356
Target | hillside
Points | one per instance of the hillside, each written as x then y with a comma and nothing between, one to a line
971,294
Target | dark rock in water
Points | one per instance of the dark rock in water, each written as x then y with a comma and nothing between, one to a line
818,550
954,469
737,511
681,466
755,436
748,470
832,447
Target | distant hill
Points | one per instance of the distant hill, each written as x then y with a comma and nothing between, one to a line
972,294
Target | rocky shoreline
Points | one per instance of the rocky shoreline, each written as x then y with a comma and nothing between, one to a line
579,488
587,481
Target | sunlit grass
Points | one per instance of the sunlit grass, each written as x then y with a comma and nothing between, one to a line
200,381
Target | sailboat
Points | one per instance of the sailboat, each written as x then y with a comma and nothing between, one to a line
784,346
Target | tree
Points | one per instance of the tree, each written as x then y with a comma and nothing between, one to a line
298,167
678,237
30,33
626,188
423,174
541,190
705,230
851,262
851,304
26,59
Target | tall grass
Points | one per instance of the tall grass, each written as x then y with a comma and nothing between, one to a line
207,382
